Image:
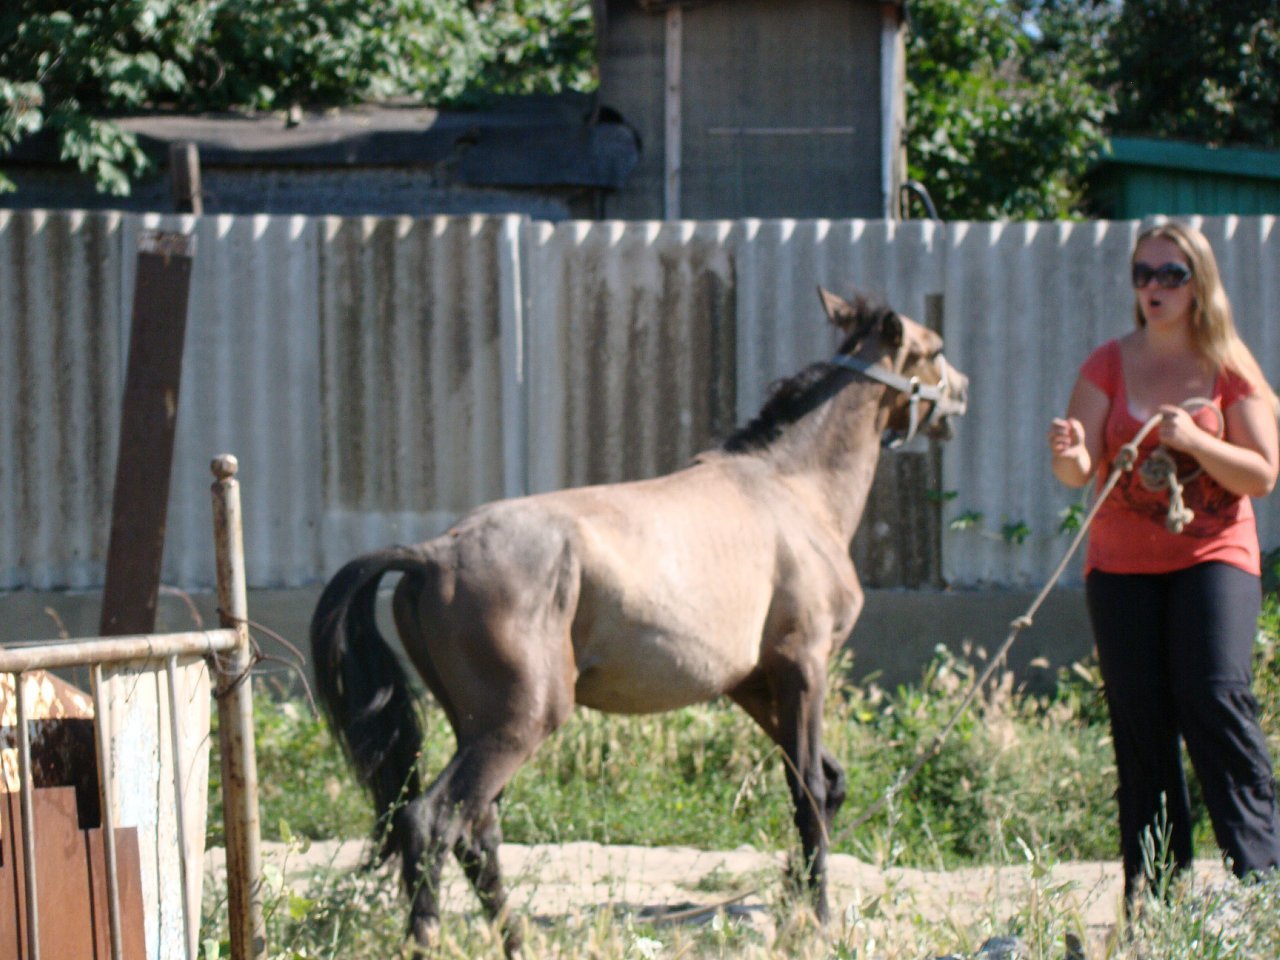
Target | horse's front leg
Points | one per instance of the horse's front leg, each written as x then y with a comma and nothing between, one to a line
837,788
799,689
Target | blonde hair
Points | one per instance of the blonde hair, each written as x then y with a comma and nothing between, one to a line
1213,331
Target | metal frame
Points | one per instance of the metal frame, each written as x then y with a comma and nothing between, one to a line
229,655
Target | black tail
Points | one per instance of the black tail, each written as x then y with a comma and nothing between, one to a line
363,687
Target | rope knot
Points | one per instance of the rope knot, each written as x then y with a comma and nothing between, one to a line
1160,472
1126,457
1020,623
1179,513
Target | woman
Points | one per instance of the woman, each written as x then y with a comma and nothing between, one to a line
1174,615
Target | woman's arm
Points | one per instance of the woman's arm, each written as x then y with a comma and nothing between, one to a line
1245,460
1076,441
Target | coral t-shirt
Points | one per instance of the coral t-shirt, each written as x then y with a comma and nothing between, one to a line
1128,534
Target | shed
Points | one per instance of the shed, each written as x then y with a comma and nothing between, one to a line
1136,177
552,157
757,108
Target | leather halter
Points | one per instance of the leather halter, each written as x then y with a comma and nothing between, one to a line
943,404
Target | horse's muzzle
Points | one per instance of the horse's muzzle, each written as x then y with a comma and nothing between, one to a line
953,403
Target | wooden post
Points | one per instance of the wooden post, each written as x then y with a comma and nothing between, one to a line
184,178
934,309
148,424
235,725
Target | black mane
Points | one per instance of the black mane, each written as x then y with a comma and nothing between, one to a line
789,400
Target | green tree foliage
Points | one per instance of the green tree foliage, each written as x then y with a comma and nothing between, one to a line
1004,111
68,66
1206,72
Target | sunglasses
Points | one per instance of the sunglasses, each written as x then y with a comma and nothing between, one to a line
1168,276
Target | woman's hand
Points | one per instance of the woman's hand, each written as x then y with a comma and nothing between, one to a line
1076,439
1244,461
1066,437
1179,431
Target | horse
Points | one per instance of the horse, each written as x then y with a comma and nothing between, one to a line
731,576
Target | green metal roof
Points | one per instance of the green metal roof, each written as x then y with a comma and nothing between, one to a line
1175,155
1133,178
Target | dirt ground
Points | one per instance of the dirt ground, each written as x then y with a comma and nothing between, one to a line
557,880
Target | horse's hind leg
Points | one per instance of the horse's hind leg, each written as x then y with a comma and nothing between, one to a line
460,813
425,827
477,852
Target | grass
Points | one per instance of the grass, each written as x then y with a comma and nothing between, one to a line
1024,779
706,777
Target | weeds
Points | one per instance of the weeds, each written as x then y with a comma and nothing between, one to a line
706,777
1025,779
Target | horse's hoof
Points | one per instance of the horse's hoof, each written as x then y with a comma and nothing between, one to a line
513,944
425,936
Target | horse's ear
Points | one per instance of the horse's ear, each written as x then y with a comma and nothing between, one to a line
839,311
891,329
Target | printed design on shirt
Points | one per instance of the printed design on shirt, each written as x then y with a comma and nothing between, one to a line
1214,506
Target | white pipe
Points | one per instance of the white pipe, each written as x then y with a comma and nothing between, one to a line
675,45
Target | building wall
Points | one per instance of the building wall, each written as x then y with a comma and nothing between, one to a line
632,82
781,108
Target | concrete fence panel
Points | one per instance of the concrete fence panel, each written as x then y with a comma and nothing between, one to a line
631,347
61,374
418,376
379,376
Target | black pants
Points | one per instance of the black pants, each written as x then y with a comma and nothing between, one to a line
1176,656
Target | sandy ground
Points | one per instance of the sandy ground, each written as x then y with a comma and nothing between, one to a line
558,880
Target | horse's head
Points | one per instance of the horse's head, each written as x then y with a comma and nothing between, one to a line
925,391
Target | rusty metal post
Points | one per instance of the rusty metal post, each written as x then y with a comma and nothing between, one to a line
235,724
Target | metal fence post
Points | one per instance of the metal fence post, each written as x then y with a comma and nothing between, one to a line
235,725
106,779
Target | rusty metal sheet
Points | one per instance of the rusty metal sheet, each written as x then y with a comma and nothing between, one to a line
148,424
72,883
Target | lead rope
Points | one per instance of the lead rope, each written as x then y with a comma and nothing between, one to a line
1164,474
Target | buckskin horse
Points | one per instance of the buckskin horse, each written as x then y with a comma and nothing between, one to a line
730,576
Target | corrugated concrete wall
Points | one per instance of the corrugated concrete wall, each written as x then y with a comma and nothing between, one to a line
1025,304
377,377
61,336
631,348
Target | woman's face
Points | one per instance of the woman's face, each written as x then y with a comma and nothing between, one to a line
1162,306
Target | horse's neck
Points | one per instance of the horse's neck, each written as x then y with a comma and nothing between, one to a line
841,466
